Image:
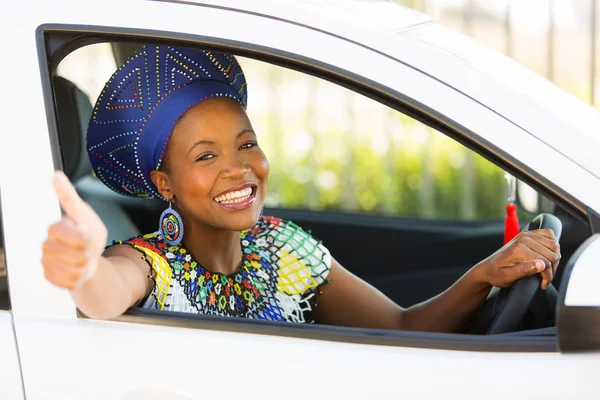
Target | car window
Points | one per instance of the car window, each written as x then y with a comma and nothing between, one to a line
333,153
333,149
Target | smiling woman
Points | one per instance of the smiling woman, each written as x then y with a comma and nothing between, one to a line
171,123
229,260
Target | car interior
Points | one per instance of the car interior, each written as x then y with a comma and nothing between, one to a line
4,297
403,265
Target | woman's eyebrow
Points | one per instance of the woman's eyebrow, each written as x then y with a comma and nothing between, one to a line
243,132
199,142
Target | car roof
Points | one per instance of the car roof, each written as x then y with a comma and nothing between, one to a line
343,17
528,100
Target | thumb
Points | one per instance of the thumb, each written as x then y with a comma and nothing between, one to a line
73,206
86,220
526,268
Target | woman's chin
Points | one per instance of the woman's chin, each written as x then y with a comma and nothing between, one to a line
239,220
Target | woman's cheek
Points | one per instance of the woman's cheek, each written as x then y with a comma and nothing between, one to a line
199,181
262,166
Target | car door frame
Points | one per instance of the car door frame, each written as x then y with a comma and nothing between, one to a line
88,349
11,382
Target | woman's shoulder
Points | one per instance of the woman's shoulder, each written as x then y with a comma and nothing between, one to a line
147,242
286,238
282,231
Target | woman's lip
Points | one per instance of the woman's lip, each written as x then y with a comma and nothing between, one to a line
236,188
242,204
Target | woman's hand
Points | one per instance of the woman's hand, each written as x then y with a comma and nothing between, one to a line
72,251
527,254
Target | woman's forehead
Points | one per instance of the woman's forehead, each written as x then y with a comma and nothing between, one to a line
213,110
218,116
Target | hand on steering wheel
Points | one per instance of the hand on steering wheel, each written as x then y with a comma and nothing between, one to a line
512,269
527,254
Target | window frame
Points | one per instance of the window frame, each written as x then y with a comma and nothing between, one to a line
55,41
3,259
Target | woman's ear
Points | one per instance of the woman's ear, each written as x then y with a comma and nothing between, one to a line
161,181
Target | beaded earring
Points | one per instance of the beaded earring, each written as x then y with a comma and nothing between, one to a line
171,226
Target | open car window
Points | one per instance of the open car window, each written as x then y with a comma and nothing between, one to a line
334,155
332,149
378,187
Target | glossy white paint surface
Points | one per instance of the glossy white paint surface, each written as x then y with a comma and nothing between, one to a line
11,386
583,284
528,100
107,360
63,357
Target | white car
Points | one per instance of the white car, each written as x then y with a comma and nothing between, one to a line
403,61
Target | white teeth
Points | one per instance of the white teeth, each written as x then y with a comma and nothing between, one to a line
235,197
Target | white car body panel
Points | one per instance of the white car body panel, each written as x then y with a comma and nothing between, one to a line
11,384
65,357
582,290
525,98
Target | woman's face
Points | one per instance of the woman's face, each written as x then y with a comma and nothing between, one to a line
215,169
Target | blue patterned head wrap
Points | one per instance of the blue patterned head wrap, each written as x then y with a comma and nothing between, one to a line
140,105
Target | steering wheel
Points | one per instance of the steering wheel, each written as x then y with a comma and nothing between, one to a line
505,308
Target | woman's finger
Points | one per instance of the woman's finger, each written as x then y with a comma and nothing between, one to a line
64,253
546,238
525,253
77,209
545,252
69,272
523,269
59,279
67,232
546,273
531,256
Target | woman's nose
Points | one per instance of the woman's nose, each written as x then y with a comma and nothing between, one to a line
235,168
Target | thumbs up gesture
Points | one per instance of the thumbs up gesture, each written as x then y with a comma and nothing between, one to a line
72,251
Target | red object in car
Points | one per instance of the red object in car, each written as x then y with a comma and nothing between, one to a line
511,223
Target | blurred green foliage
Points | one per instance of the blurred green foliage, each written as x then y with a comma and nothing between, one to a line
332,149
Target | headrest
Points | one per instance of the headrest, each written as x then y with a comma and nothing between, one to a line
74,111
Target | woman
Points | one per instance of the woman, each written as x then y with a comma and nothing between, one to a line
171,123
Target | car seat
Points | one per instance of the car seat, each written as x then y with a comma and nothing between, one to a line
74,111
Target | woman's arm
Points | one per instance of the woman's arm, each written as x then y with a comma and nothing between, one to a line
102,285
119,283
350,301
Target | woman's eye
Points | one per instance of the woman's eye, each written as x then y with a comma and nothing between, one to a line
205,157
248,145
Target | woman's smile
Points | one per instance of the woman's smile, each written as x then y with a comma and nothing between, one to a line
237,197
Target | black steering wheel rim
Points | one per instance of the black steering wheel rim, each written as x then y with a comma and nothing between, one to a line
505,308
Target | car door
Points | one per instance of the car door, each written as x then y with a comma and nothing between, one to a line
152,355
11,384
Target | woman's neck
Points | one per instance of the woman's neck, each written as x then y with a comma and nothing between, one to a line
218,250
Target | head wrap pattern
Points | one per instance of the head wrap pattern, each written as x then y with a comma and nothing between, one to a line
140,105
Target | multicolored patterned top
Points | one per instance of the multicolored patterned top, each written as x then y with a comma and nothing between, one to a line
282,269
